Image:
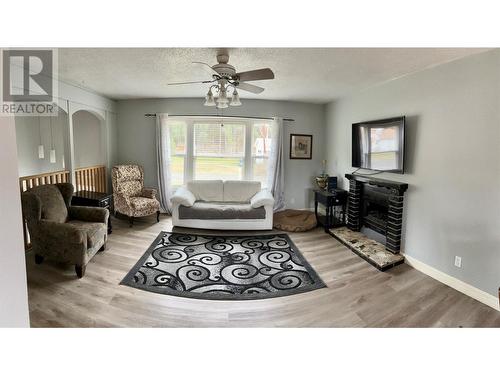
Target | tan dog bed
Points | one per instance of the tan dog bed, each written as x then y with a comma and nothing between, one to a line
294,220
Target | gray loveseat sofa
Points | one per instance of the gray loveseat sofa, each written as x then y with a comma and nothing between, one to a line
226,205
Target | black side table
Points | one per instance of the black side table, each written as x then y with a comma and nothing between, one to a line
337,198
94,199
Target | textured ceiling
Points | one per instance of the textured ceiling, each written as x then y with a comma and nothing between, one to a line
316,75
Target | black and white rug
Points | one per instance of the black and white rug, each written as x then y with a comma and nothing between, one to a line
223,267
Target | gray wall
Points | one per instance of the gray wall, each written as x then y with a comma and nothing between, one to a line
136,136
112,137
28,139
453,161
87,140
13,291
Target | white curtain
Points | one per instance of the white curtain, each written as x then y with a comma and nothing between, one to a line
163,161
276,171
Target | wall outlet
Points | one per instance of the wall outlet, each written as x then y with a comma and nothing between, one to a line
458,262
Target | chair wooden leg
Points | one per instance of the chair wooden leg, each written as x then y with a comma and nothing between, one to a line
80,271
38,259
131,221
157,216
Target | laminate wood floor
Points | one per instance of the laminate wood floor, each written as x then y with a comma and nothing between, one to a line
358,295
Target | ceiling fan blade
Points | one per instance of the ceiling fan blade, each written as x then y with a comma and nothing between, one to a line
249,87
188,83
207,67
255,75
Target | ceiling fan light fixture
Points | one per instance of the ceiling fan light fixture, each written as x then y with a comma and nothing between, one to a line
222,100
41,153
235,99
209,99
224,76
222,104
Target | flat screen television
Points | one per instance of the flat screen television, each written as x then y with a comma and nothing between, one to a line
379,145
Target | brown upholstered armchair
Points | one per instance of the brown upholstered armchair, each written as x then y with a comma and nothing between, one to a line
130,197
60,231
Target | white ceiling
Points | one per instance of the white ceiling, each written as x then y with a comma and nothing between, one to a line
316,75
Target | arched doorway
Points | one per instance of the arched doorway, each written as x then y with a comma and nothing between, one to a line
89,151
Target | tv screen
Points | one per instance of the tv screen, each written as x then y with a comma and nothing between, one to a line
379,145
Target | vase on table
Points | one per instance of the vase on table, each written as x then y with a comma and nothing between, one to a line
322,179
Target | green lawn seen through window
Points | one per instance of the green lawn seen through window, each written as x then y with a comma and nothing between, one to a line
207,168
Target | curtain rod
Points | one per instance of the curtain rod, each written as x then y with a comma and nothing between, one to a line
251,117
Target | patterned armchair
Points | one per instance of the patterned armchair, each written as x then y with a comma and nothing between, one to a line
60,231
130,197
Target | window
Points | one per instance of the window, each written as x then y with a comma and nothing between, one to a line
207,149
219,151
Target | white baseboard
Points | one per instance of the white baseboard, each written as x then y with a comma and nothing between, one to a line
453,282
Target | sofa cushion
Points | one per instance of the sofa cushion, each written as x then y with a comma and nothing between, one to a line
96,232
53,205
183,196
240,191
262,198
207,190
221,211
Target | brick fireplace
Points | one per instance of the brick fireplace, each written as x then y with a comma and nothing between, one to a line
376,204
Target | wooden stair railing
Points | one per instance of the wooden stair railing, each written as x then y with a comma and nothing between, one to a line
91,178
27,182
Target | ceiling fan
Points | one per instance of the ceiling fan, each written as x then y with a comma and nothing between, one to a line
224,77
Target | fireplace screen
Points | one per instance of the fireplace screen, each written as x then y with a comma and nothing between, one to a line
375,209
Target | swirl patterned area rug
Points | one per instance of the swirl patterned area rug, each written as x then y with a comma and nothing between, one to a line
223,267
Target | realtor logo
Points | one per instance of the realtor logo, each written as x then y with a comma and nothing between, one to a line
28,84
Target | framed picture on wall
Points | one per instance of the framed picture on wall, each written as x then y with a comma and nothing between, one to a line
301,146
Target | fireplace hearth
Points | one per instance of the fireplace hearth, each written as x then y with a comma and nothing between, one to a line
372,251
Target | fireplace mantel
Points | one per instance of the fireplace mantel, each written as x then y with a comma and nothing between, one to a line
401,187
